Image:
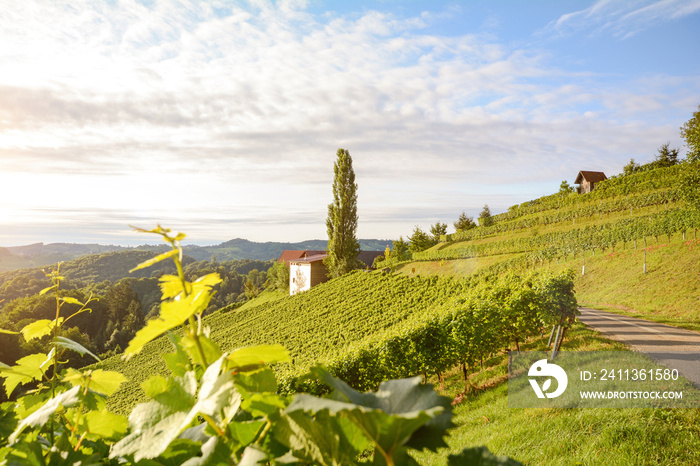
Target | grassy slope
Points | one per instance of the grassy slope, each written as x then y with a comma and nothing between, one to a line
565,436
669,292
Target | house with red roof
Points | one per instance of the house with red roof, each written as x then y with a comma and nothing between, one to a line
587,180
306,268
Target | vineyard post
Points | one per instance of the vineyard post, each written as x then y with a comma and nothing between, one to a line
557,342
645,261
583,269
551,335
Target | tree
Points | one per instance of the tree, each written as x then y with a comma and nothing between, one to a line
400,249
464,223
666,157
565,188
631,167
437,230
341,223
688,186
278,277
485,216
420,240
690,131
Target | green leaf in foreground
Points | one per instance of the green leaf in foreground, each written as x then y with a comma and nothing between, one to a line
27,369
155,260
67,343
176,404
101,381
404,397
402,414
42,415
39,328
253,356
172,314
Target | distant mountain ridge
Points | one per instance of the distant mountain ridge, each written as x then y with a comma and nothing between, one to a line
40,254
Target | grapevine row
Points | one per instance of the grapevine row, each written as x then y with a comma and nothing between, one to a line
560,244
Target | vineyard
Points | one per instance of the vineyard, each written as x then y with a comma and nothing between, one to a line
636,208
369,327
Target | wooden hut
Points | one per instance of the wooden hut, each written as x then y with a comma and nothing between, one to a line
587,180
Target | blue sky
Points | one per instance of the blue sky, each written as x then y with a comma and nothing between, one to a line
222,119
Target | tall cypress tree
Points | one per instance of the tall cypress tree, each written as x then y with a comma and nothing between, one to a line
341,223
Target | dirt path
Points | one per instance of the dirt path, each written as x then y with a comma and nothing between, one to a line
674,347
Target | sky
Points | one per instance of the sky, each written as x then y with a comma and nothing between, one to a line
222,119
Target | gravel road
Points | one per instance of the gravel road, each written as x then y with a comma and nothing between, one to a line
673,347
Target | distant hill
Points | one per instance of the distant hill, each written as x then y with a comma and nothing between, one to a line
41,255
243,249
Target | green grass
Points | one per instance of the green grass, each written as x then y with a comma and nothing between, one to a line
668,293
565,436
448,268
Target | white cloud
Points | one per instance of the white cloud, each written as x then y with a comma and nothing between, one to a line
624,18
240,114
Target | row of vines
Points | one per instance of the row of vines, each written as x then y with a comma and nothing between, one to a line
560,244
615,187
587,210
497,313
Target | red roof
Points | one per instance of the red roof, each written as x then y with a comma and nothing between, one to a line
290,255
309,259
591,177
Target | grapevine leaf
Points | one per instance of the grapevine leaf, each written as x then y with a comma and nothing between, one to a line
105,382
255,356
206,282
105,424
211,350
245,432
68,299
156,259
47,289
37,329
171,286
399,406
217,390
178,393
153,427
75,346
29,453
178,453
156,424
263,404
172,314
253,456
322,438
177,362
42,415
261,381
25,370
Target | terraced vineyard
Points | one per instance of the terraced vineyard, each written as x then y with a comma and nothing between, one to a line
312,325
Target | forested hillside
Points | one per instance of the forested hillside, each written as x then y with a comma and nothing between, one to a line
124,300
40,254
